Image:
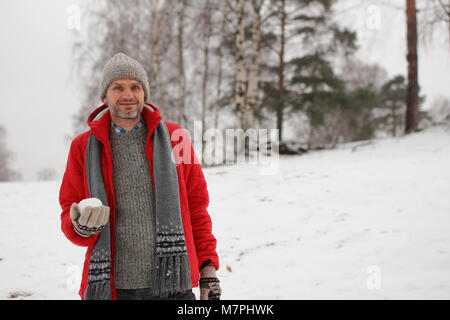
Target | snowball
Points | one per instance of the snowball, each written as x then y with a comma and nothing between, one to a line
91,202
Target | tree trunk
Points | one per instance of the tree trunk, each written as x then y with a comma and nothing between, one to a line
240,90
310,135
394,120
207,36
219,78
337,124
252,94
412,98
181,75
281,97
220,72
155,55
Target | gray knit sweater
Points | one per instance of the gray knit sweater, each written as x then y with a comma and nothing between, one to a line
135,224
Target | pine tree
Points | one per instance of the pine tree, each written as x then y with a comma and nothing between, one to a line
393,100
309,22
320,90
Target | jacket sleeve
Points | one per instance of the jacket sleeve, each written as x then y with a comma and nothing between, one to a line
198,199
72,190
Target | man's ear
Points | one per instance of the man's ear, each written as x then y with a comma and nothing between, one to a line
105,101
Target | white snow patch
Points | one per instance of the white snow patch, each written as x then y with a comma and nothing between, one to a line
367,222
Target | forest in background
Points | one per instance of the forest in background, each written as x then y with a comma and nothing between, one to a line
245,64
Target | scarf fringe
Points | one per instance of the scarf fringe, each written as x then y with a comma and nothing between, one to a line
171,275
100,290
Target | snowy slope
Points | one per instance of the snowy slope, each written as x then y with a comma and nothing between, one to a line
367,222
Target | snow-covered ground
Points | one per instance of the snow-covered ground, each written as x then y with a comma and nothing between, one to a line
367,222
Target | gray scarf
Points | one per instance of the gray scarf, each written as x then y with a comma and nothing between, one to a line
172,273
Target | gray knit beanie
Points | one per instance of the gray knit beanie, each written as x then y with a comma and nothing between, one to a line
121,66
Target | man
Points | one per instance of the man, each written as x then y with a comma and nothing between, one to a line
151,238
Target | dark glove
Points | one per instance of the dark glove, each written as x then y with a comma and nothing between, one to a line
209,284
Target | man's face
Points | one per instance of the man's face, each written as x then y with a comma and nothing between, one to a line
125,98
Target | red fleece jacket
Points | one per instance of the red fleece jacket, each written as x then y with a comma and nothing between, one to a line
194,199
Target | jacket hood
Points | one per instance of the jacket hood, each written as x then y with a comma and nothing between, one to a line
100,127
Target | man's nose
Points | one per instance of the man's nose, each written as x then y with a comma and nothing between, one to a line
127,93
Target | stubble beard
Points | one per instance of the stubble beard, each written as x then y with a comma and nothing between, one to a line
120,115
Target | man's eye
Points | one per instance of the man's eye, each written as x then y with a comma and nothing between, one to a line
117,88
136,87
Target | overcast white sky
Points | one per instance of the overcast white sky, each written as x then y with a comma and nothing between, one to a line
38,97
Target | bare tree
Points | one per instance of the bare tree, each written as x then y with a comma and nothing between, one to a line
358,74
181,72
253,81
281,75
220,57
434,19
6,173
207,29
141,29
393,100
46,174
440,110
155,46
412,94
241,72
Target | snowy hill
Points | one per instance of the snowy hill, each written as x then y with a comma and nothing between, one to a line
367,222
